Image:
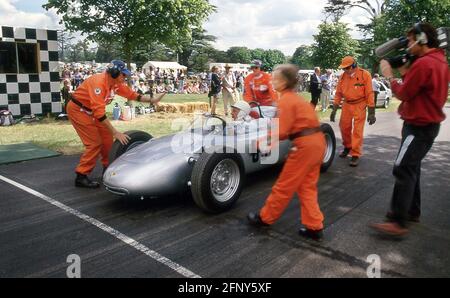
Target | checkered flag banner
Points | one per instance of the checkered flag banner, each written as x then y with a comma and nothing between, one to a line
37,92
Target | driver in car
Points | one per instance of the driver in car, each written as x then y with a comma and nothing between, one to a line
240,111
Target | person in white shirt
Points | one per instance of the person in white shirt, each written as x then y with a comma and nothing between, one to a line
325,95
142,88
376,87
228,88
142,76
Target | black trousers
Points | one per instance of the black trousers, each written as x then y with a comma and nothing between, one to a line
416,142
315,98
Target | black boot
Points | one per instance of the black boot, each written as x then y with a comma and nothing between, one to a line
354,162
344,153
255,219
84,181
311,234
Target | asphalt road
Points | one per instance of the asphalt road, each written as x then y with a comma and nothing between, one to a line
174,238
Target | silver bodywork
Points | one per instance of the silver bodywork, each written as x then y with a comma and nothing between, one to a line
163,166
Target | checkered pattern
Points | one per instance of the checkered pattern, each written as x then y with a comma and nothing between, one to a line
25,94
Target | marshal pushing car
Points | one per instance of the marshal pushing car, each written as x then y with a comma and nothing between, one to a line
210,159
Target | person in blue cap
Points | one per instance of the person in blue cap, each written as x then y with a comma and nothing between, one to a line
87,113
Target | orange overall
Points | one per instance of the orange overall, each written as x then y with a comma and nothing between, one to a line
259,88
302,168
94,94
358,94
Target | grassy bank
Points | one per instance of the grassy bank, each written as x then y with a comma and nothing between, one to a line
60,135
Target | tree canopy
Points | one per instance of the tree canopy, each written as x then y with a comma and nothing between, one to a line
303,57
133,22
171,30
332,43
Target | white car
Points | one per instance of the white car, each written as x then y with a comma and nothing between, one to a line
384,97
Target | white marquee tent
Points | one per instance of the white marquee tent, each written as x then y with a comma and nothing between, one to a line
163,65
234,66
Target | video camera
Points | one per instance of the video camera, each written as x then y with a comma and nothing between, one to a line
401,44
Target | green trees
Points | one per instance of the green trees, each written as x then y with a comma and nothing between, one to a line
193,52
142,30
389,19
331,44
239,55
133,22
271,58
303,57
400,15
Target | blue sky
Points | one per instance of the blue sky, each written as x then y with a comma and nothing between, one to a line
30,5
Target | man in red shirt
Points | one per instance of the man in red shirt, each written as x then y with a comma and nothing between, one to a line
87,113
258,86
423,94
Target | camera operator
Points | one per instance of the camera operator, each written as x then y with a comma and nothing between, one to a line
423,93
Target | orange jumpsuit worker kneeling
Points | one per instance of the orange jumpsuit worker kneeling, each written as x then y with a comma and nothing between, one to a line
301,171
355,86
86,111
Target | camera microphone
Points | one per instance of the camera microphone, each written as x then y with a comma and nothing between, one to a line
444,37
393,44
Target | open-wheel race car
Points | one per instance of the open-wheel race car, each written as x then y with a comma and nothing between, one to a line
210,160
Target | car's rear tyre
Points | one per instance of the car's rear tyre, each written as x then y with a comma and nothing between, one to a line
217,181
330,148
386,103
137,138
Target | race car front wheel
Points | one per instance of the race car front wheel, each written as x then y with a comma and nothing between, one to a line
217,180
137,138
330,148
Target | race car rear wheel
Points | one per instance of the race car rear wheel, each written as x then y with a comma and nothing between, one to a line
330,146
217,180
137,138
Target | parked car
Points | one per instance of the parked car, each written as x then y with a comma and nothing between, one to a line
383,100
150,167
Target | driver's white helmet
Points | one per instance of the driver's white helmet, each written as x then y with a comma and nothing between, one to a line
244,109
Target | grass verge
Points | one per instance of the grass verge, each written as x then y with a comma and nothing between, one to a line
61,137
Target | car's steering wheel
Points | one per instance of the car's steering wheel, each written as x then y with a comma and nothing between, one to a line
224,123
259,107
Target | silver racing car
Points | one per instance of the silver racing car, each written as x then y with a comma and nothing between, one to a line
209,159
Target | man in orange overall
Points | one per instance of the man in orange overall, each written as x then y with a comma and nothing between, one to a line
301,171
86,111
258,86
355,86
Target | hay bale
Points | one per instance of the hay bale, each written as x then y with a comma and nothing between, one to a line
191,107
188,107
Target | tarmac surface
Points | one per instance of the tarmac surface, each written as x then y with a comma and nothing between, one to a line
172,237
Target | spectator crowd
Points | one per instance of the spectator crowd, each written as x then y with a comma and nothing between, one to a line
321,84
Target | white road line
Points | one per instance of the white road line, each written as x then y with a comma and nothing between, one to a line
133,243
